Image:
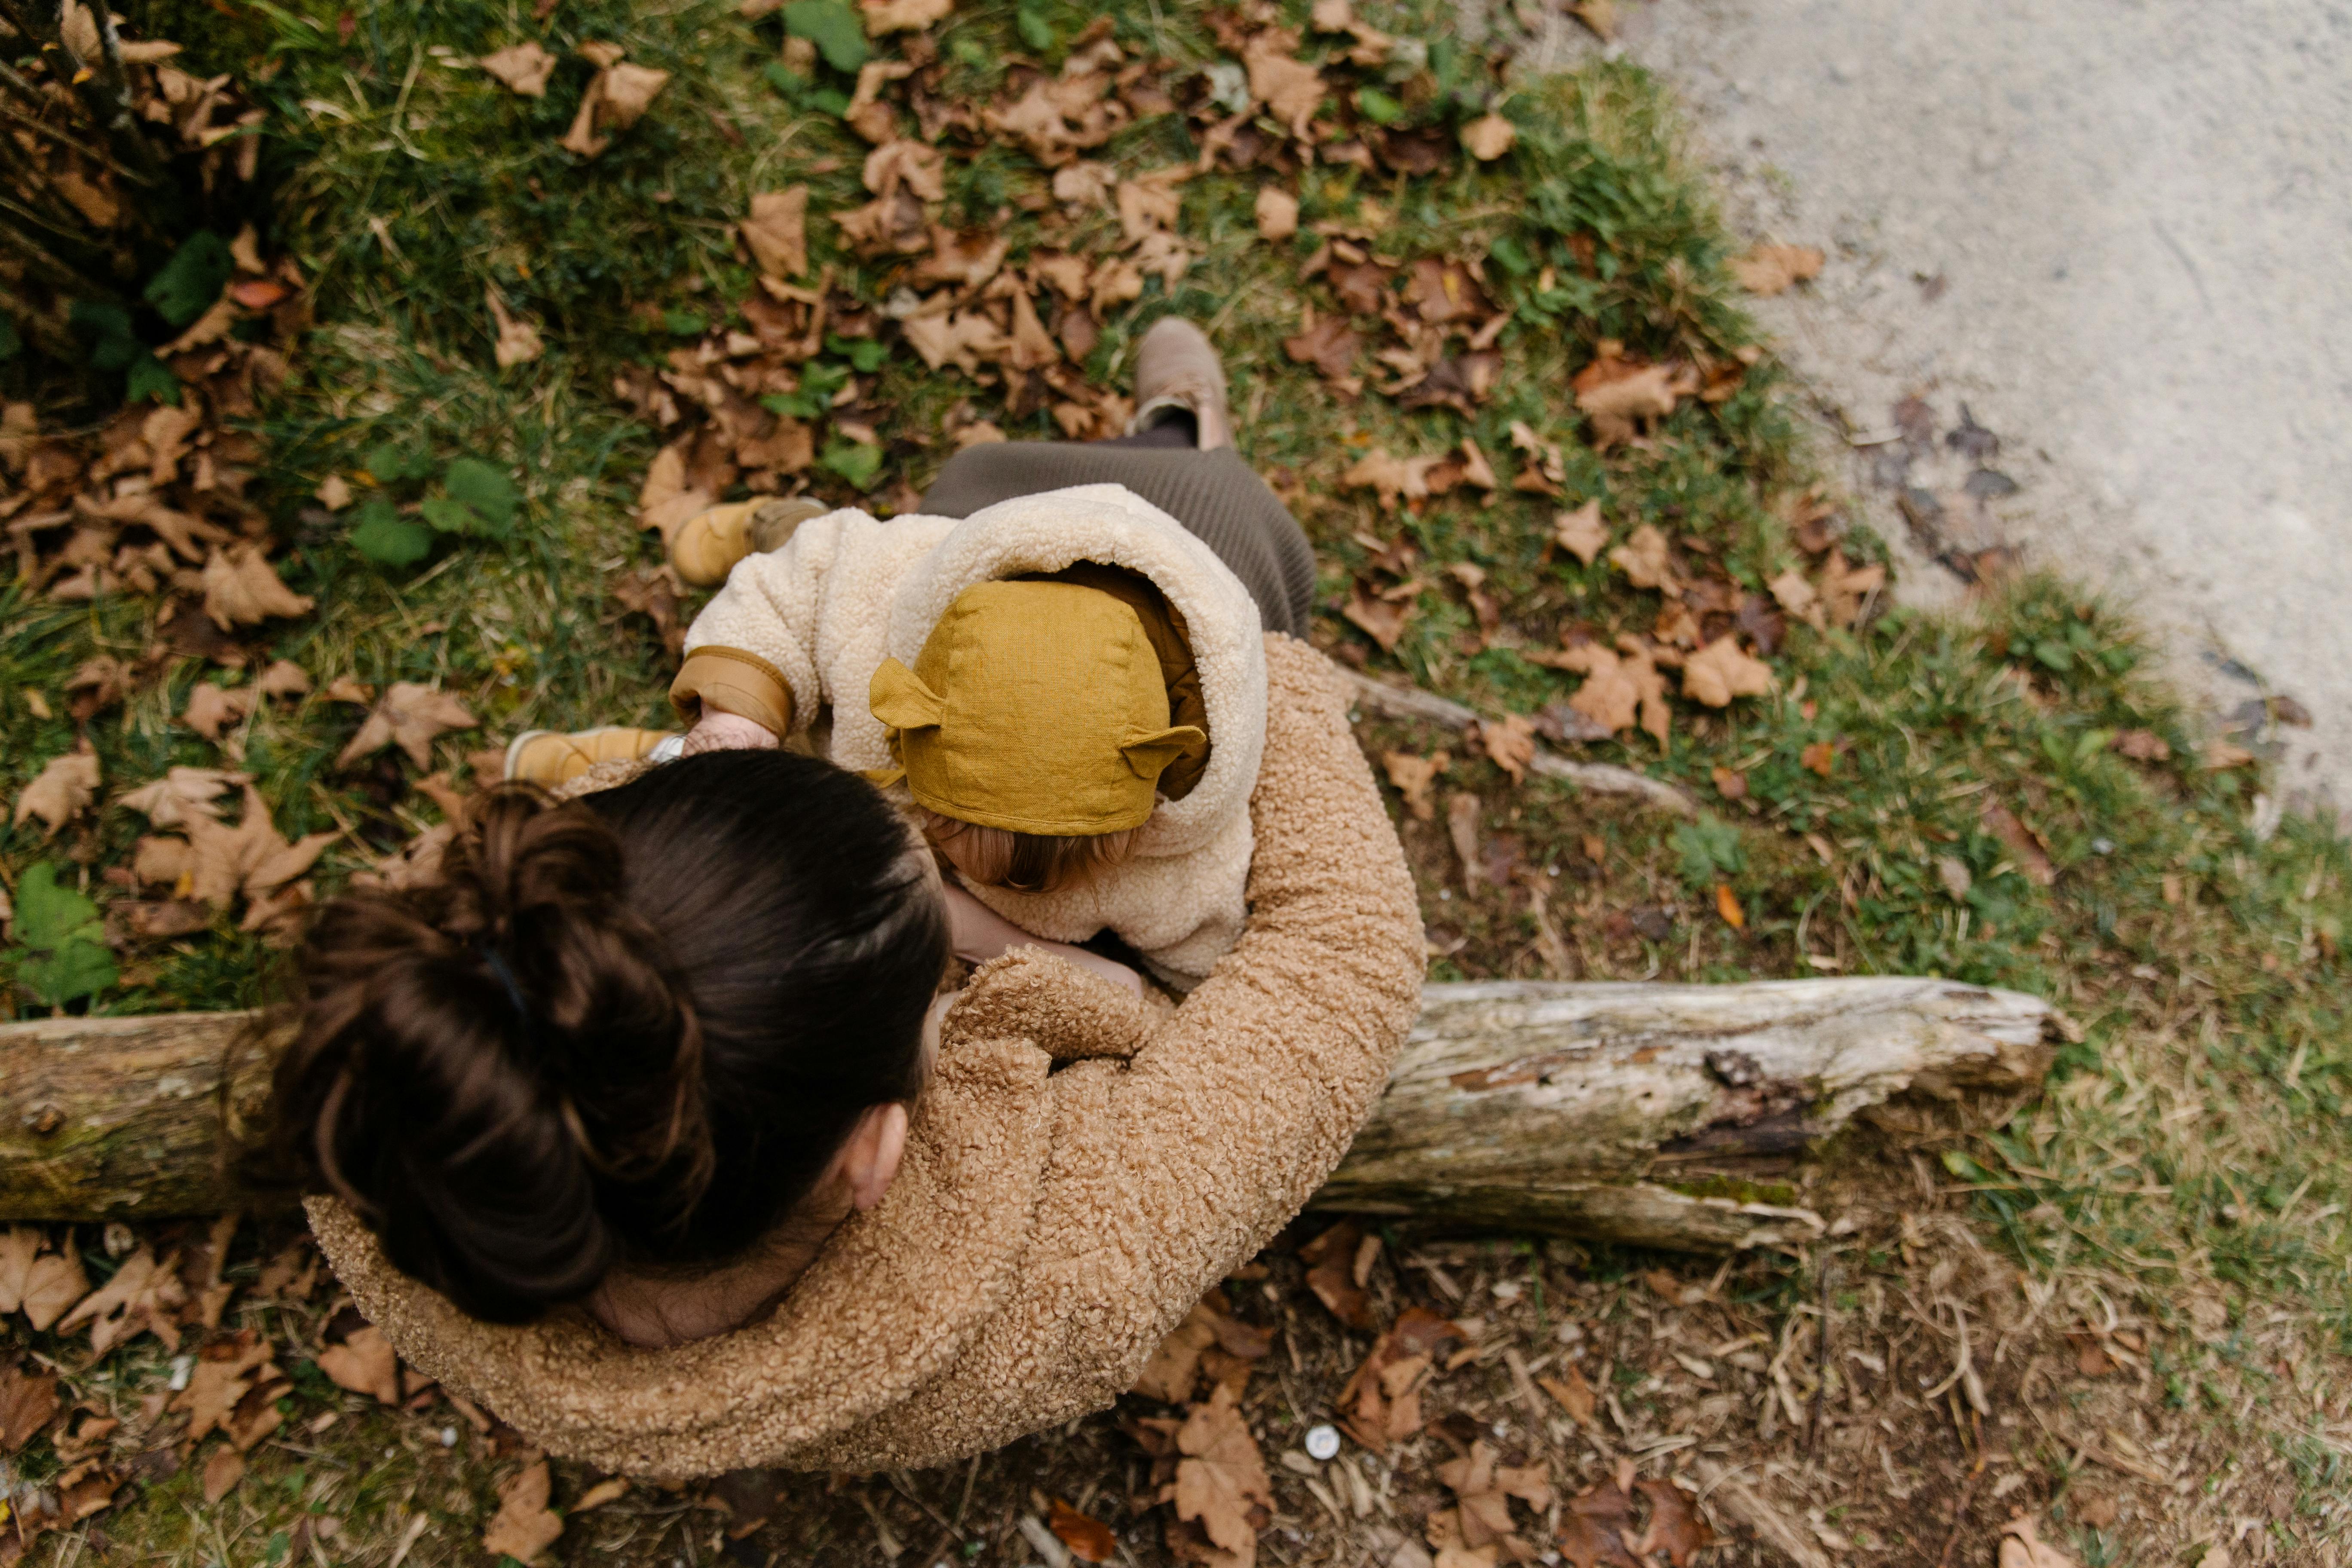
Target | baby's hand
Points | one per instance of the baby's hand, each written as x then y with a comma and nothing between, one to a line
979,933
717,732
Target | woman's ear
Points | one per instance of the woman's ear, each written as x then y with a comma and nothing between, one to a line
868,1163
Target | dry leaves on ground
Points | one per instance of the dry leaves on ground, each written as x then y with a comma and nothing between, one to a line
62,790
1771,268
364,1363
1416,777
1720,671
1221,1482
38,1278
524,1525
1582,533
1088,1537
411,716
1382,1401
523,68
1339,1264
1622,686
1481,1517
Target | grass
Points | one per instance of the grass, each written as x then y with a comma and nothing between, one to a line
2187,1167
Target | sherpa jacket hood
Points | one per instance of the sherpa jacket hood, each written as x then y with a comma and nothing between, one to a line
1081,1168
845,592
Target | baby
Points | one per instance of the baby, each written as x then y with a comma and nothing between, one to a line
1066,689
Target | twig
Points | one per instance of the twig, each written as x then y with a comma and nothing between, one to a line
1393,702
1774,1528
1960,1514
1820,1369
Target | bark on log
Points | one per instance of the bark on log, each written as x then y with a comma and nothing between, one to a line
1636,1113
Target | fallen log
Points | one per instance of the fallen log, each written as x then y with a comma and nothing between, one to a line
1658,1115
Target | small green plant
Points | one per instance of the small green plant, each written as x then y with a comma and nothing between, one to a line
1709,852
475,498
61,954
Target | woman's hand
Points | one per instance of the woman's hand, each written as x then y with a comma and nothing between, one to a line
979,933
716,731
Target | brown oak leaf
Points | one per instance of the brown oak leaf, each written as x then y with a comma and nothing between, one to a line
1088,1537
29,1401
1416,777
776,233
364,1363
1645,561
38,1282
1582,533
242,589
1770,268
523,68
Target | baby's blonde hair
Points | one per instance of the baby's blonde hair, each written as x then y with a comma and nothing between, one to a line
1026,862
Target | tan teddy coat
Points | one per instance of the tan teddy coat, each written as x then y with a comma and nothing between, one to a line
846,592
1051,1224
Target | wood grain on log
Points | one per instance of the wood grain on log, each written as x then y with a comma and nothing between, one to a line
1634,1113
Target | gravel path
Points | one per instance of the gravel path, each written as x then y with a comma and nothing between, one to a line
2118,231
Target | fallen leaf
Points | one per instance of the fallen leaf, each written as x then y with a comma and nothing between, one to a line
1222,1477
965,339
1382,1401
252,857
1821,757
1330,1260
1645,560
524,1525
905,164
1392,479
221,1472
1488,137
284,678
1770,268
611,1489
242,589
1414,777
411,716
883,17
364,1363
1483,1489
2219,755
1330,345
39,1283
1510,743
629,91
1953,873
2021,1546
100,683
62,790
1594,1528
1675,1527
1379,616
1620,687
1641,392
1573,1393
1291,90
1461,812
1168,1375
212,711
1088,1537
1582,533
1846,589
1600,16
29,1401
1720,672
142,1297
1727,904
524,68
1797,597
2024,844
1277,214
776,233
1730,785
181,794
516,341
2142,746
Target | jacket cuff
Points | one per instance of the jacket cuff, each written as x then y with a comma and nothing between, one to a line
729,680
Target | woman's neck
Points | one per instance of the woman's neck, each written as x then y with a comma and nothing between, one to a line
658,1310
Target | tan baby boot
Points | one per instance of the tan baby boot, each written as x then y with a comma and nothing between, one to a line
1176,370
709,542
549,757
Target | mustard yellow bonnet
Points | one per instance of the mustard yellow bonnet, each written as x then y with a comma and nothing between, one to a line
1034,706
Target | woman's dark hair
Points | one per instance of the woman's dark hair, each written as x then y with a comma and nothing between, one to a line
632,1028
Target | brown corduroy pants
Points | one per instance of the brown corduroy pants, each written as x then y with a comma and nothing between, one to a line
1215,495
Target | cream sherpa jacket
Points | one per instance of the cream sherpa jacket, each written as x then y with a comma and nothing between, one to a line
1051,1223
846,592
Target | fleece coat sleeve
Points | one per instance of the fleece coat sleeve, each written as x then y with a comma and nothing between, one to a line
806,617
1171,1168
